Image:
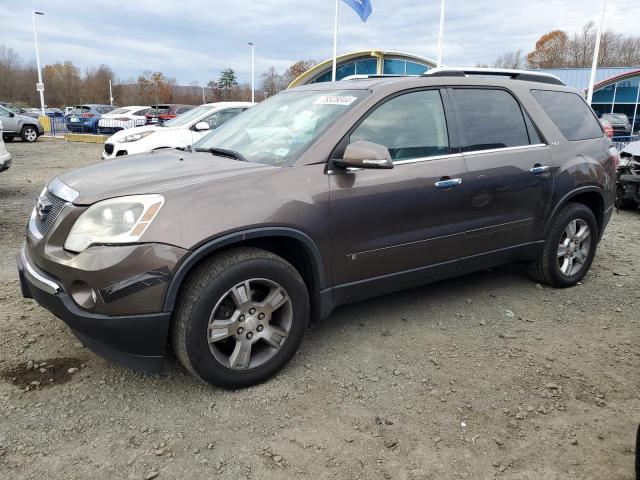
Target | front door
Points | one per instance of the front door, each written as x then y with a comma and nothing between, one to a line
510,183
9,122
389,225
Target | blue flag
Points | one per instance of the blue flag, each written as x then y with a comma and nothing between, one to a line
362,7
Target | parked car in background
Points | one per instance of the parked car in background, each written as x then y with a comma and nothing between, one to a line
122,118
68,110
628,184
619,122
321,195
159,114
54,113
84,118
19,125
5,157
607,127
177,133
33,112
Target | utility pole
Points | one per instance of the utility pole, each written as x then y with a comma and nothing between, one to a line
40,84
596,52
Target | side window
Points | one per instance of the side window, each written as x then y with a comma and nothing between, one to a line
226,115
491,119
411,125
212,120
570,113
534,136
142,112
4,112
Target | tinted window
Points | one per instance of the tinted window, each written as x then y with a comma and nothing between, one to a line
105,109
412,125
80,110
142,112
570,113
491,119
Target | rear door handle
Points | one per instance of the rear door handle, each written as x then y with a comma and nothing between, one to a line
539,169
450,182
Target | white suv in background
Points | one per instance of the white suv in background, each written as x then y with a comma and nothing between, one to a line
182,131
122,118
5,157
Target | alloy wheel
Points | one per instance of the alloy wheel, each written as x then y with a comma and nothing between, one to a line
30,134
249,324
573,249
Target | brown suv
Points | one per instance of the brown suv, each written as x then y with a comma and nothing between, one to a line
321,195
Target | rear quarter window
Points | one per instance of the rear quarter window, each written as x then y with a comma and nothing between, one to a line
570,113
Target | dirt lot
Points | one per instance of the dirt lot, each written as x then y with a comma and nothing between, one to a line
489,375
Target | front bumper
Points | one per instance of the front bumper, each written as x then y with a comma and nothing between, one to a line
133,341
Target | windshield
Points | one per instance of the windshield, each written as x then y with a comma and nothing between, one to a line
279,130
12,108
160,109
187,117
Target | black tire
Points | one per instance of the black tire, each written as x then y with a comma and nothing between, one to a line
624,203
546,268
201,293
29,134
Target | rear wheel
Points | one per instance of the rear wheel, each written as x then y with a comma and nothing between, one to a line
29,134
569,247
241,318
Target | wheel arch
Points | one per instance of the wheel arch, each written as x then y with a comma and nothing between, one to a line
293,245
591,196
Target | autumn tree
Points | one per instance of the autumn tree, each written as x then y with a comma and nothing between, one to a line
550,51
63,83
297,69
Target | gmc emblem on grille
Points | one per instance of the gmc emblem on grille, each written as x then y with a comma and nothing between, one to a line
43,207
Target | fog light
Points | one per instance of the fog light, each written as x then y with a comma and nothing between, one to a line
83,294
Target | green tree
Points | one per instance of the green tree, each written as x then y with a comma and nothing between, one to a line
227,82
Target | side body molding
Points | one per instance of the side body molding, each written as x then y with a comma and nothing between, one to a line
217,243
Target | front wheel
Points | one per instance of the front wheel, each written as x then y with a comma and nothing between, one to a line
569,247
29,134
241,318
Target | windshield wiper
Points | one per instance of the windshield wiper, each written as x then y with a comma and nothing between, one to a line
223,152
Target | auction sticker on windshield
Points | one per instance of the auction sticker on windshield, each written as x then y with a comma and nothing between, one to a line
335,100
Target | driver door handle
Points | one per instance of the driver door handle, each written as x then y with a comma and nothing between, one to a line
539,169
448,183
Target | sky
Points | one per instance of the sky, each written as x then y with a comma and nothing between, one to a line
192,40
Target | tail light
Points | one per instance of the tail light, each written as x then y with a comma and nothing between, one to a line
87,115
615,157
166,116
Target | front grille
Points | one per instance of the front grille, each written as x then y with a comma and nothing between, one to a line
45,221
108,147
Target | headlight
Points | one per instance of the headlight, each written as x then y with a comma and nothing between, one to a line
135,137
117,220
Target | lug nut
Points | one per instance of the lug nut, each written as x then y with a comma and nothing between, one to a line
261,316
252,311
249,336
241,318
240,330
260,328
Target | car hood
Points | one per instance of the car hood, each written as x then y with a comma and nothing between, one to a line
156,172
144,128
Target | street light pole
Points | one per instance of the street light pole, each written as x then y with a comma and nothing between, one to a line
596,51
253,91
440,35
40,85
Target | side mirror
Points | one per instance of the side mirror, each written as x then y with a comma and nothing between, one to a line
11,114
201,126
363,154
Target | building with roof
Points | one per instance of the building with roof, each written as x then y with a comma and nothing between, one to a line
366,62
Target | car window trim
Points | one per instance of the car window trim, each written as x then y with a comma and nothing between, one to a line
464,141
504,149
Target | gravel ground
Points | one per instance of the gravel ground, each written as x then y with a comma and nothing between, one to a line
484,376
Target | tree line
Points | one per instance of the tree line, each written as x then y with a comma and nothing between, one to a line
66,84
558,49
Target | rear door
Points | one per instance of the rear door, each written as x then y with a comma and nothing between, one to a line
393,228
510,183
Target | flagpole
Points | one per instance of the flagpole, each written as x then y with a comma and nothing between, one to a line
335,43
596,51
440,35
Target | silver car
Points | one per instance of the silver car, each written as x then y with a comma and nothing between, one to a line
18,125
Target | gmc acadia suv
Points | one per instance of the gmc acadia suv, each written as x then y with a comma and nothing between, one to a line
321,195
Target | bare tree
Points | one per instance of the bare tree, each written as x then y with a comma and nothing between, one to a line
513,60
272,82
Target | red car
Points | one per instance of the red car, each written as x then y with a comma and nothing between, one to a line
164,112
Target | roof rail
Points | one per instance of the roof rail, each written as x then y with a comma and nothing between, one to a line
375,75
502,72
